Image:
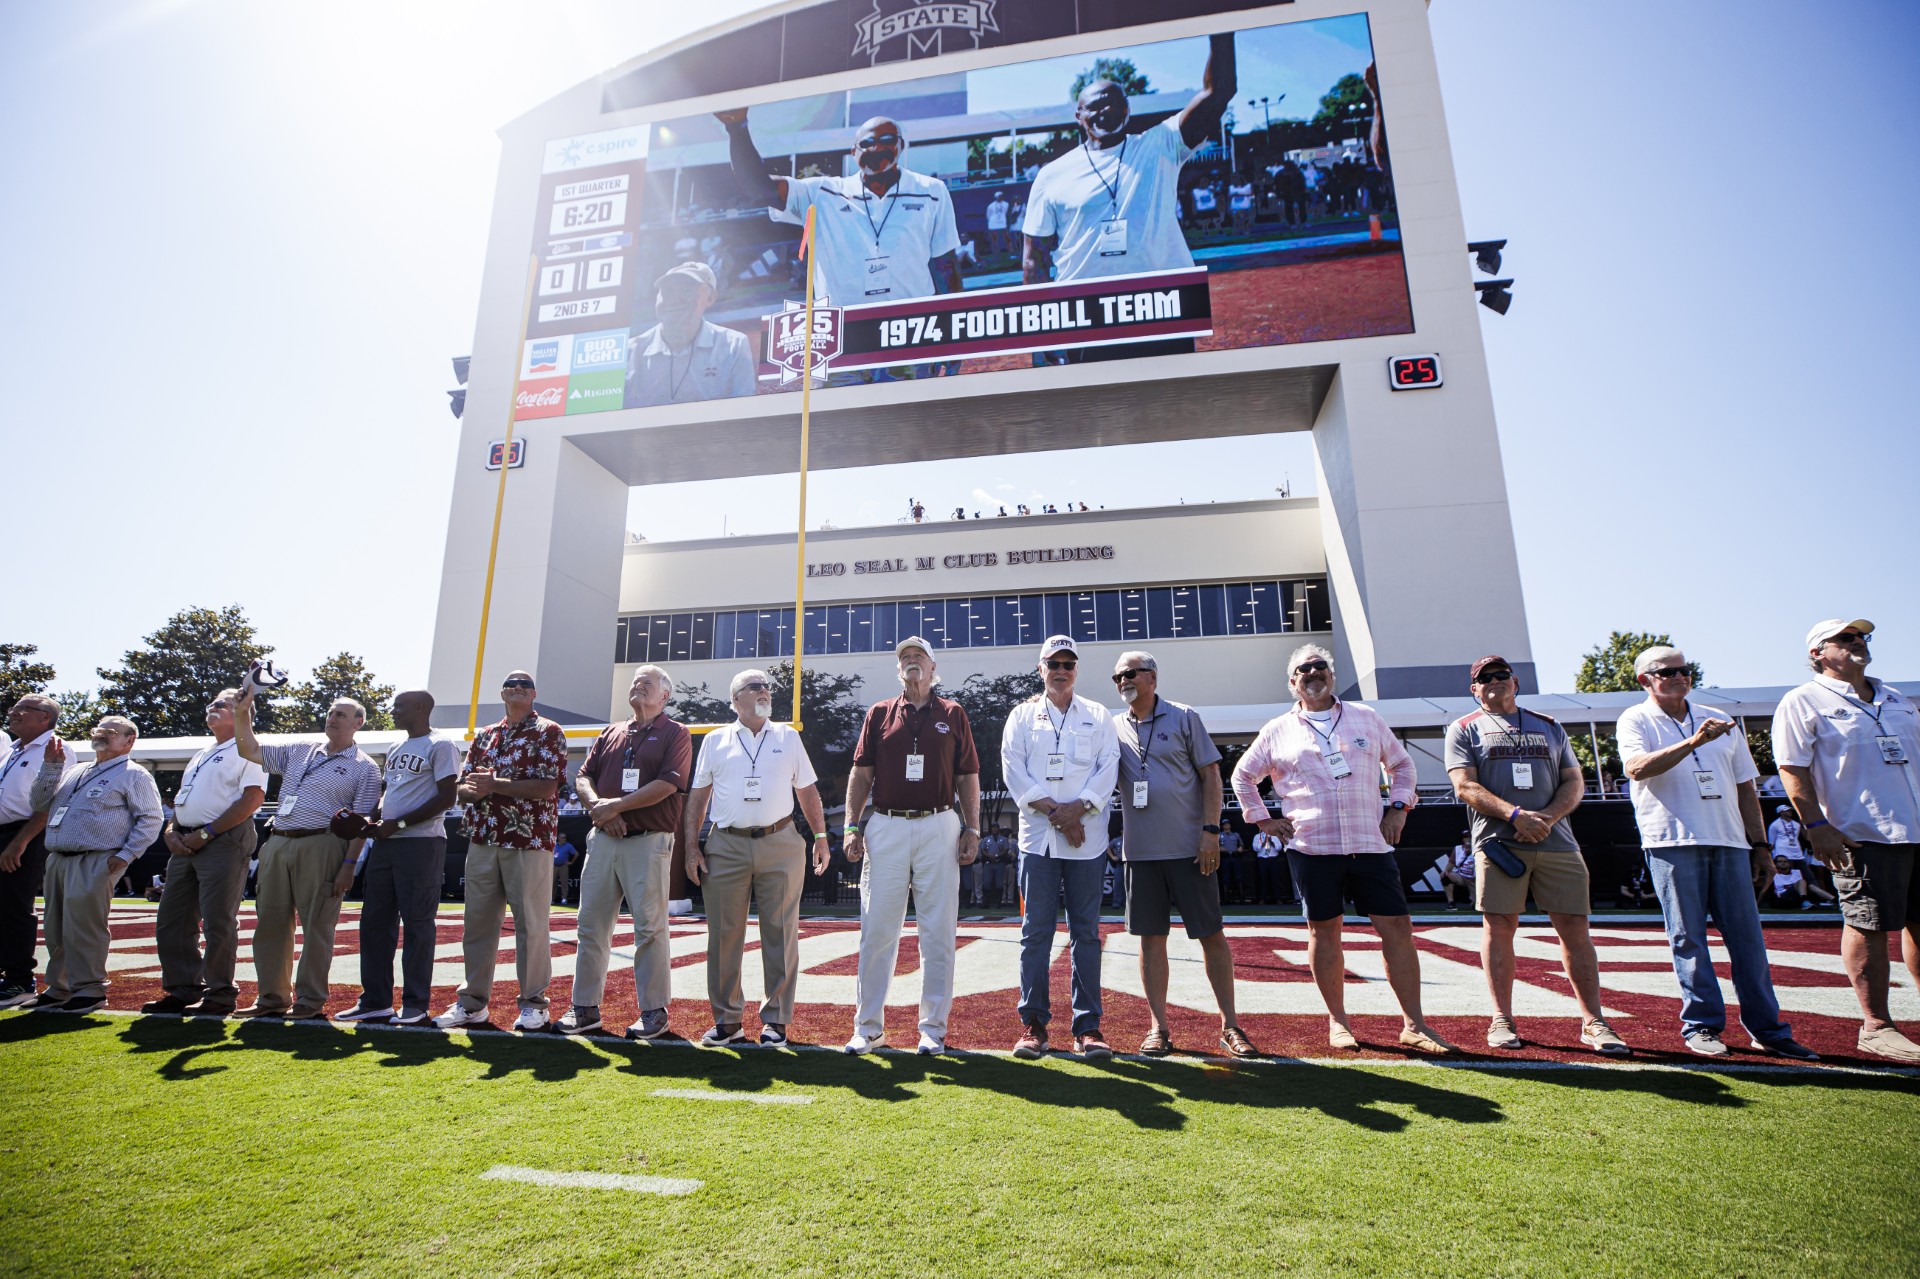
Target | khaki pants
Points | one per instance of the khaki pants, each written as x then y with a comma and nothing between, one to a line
636,868
499,880
769,871
79,895
919,854
203,892
296,883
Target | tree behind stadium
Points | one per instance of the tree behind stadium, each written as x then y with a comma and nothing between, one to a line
19,675
165,686
305,708
830,713
1119,70
988,701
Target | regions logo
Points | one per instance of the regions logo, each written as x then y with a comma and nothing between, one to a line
543,397
598,352
596,392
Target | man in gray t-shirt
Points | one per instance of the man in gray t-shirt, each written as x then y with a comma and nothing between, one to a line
1520,757
406,865
1170,793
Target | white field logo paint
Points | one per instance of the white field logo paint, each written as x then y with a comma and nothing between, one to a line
593,1180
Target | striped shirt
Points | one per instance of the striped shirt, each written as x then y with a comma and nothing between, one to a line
1330,815
321,784
110,807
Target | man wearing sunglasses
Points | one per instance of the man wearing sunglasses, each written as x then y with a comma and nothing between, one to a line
1516,771
1060,756
510,784
1170,844
634,784
1698,809
753,772
1848,746
1326,759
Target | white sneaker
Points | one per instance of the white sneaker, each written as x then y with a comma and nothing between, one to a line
865,1043
930,1047
680,906
531,1019
456,1017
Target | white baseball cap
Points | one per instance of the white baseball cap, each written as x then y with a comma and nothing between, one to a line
699,272
1824,631
913,641
1057,644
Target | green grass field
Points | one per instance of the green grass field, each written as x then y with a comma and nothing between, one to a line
153,1147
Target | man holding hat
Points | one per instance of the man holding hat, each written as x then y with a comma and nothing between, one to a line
683,358
1060,755
914,755
1848,747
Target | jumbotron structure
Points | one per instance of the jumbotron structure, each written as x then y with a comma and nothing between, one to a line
1045,225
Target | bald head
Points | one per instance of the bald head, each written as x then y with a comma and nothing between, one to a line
877,145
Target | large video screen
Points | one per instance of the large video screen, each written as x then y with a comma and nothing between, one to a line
1200,194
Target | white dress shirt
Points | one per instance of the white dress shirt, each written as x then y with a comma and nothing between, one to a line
1084,736
775,756
213,781
18,767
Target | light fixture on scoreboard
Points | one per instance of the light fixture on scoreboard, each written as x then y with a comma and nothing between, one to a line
1414,372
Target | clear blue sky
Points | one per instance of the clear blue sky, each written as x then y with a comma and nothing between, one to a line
245,238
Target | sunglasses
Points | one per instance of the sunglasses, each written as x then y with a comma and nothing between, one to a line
1061,663
755,686
1671,672
1307,668
878,140
1136,673
516,683
1847,637
1494,677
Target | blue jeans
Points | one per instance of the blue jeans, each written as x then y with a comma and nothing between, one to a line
1693,883
1042,881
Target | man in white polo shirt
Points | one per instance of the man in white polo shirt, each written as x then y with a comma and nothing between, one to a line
1699,814
751,772
1848,746
211,839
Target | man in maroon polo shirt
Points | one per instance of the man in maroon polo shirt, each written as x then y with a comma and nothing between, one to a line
914,754
634,784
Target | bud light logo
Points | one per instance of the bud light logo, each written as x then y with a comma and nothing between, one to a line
598,352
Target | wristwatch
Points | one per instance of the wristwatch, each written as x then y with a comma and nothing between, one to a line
1211,830
400,825
1400,804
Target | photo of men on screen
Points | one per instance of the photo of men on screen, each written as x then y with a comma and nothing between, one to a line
684,358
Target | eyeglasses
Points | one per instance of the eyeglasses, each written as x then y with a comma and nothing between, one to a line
1307,668
1671,672
1847,637
754,686
1061,663
1135,673
878,140
1494,677
516,683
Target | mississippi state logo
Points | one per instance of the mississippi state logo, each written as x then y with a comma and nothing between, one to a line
901,30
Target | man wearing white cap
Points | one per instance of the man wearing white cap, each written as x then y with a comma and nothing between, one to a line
914,755
683,358
1060,755
1848,747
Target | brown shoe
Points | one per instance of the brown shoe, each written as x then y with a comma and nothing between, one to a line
262,1010
1424,1041
306,1012
1156,1044
1236,1043
1032,1044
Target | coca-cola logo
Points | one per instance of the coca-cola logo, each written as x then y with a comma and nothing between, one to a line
538,399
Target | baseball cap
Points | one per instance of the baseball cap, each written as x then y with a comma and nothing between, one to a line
913,641
1833,626
1783,809
1489,660
1057,644
699,272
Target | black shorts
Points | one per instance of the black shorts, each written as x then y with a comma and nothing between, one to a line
1878,889
1155,889
1371,881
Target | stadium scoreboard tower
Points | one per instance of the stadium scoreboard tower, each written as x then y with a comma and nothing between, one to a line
1015,256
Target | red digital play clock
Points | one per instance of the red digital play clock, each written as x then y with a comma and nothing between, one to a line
1413,372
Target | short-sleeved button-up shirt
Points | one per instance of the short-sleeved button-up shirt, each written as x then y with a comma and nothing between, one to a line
1824,727
321,783
531,749
1330,815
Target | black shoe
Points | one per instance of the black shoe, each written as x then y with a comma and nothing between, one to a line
82,1004
45,1000
168,1004
12,996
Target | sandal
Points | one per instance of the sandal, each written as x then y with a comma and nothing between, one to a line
1156,1044
1235,1041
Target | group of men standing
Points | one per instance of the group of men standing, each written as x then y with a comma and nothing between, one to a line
1846,745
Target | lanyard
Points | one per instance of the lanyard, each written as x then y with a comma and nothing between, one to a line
892,197
1047,706
319,754
753,760
915,720
94,774
1146,743
1112,188
219,752
1878,728
19,755
675,383
1520,725
1328,736
1689,731
626,759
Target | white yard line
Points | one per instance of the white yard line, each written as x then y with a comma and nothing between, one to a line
755,1098
593,1180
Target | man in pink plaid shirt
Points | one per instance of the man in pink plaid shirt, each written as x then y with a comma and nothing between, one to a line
1325,759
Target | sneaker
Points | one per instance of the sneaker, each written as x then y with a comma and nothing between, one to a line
580,1020
1885,1042
861,1044
1788,1047
1599,1036
82,1004
361,1012
531,1019
1806,905
930,1047
1502,1034
773,1035
1092,1047
1706,1043
411,1017
718,1036
163,1006
1032,1044
652,1024
12,996
456,1017
680,906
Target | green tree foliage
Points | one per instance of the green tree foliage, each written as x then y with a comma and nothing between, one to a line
165,686
1338,105
830,715
20,675
79,712
1119,70
303,709
1608,667
988,700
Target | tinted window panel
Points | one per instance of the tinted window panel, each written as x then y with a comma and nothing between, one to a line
1106,610
839,623
1085,628
1133,615
1266,608
702,637
1213,610
1059,617
860,628
680,638
1160,613
1033,621
1240,609
885,633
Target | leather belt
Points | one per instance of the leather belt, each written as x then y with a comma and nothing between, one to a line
299,834
913,814
760,832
